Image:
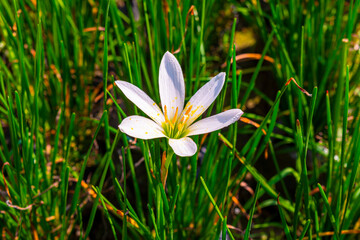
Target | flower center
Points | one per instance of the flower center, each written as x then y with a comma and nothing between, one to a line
172,127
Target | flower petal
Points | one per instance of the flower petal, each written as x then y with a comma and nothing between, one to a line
141,127
171,86
215,122
202,99
142,101
183,147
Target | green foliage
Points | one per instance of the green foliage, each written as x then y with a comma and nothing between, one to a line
68,172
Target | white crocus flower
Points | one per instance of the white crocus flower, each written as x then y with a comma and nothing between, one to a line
174,121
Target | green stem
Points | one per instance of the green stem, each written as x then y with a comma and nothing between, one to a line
165,165
169,155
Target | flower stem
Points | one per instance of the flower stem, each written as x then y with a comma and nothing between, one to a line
166,160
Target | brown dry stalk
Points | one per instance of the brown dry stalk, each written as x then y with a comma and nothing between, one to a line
92,29
330,233
5,184
164,172
101,95
115,211
191,11
238,204
301,89
251,56
255,124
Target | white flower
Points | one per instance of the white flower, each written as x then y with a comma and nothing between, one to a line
174,121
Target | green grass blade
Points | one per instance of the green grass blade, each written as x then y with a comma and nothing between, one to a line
284,224
328,208
252,211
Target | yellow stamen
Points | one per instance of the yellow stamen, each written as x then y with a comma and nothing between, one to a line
194,111
166,117
186,115
188,110
176,113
